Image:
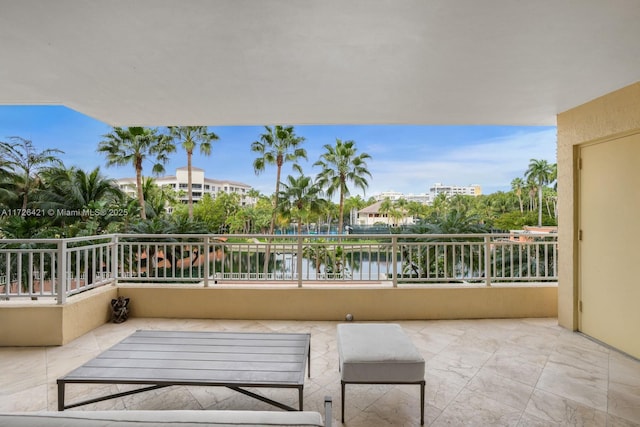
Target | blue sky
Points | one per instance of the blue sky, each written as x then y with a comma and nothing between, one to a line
408,159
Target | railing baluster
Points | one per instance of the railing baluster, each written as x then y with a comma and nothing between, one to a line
487,260
62,271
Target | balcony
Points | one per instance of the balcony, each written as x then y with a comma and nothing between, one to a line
519,370
65,285
478,372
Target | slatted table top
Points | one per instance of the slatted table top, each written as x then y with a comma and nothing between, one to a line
200,358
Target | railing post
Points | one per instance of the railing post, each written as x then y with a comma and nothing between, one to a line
394,260
299,261
487,260
206,243
114,259
62,271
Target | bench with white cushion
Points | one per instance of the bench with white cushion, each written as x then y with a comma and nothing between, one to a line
379,353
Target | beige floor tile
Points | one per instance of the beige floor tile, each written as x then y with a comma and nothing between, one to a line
522,372
500,388
557,409
472,409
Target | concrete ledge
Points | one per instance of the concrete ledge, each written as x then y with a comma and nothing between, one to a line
333,303
42,324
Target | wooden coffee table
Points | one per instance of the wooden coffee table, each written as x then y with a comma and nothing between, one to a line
157,359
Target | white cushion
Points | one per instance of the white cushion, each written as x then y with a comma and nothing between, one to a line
183,418
378,353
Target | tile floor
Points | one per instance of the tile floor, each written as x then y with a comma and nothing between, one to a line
527,372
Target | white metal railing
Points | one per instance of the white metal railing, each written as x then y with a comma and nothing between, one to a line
33,268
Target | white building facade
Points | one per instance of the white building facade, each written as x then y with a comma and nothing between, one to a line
434,191
452,190
200,185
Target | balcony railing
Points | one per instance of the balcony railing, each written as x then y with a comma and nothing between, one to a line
58,268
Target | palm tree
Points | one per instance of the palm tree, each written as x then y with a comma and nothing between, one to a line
253,195
190,137
157,198
134,145
401,205
354,203
385,209
341,165
517,185
416,209
90,193
25,163
299,196
450,259
440,204
328,211
531,187
541,172
460,202
278,145
75,188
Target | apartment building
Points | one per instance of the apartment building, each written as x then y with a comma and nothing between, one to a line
423,198
452,190
434,191
200,185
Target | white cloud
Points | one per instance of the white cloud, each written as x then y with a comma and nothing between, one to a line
491,163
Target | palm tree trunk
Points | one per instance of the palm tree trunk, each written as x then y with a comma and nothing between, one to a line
25,197
275,201
267,254
189,183
143,210
520,200
540,205
341,219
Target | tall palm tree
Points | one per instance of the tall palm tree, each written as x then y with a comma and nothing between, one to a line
25,163
299,197
541,172
517,184
340,165
134,145
278,145
190,137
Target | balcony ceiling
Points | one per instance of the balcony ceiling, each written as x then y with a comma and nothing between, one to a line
237,62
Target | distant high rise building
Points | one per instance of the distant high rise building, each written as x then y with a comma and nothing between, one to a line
395,195
427,198
452,190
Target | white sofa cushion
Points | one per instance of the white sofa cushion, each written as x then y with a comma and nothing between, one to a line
378,353
183,418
